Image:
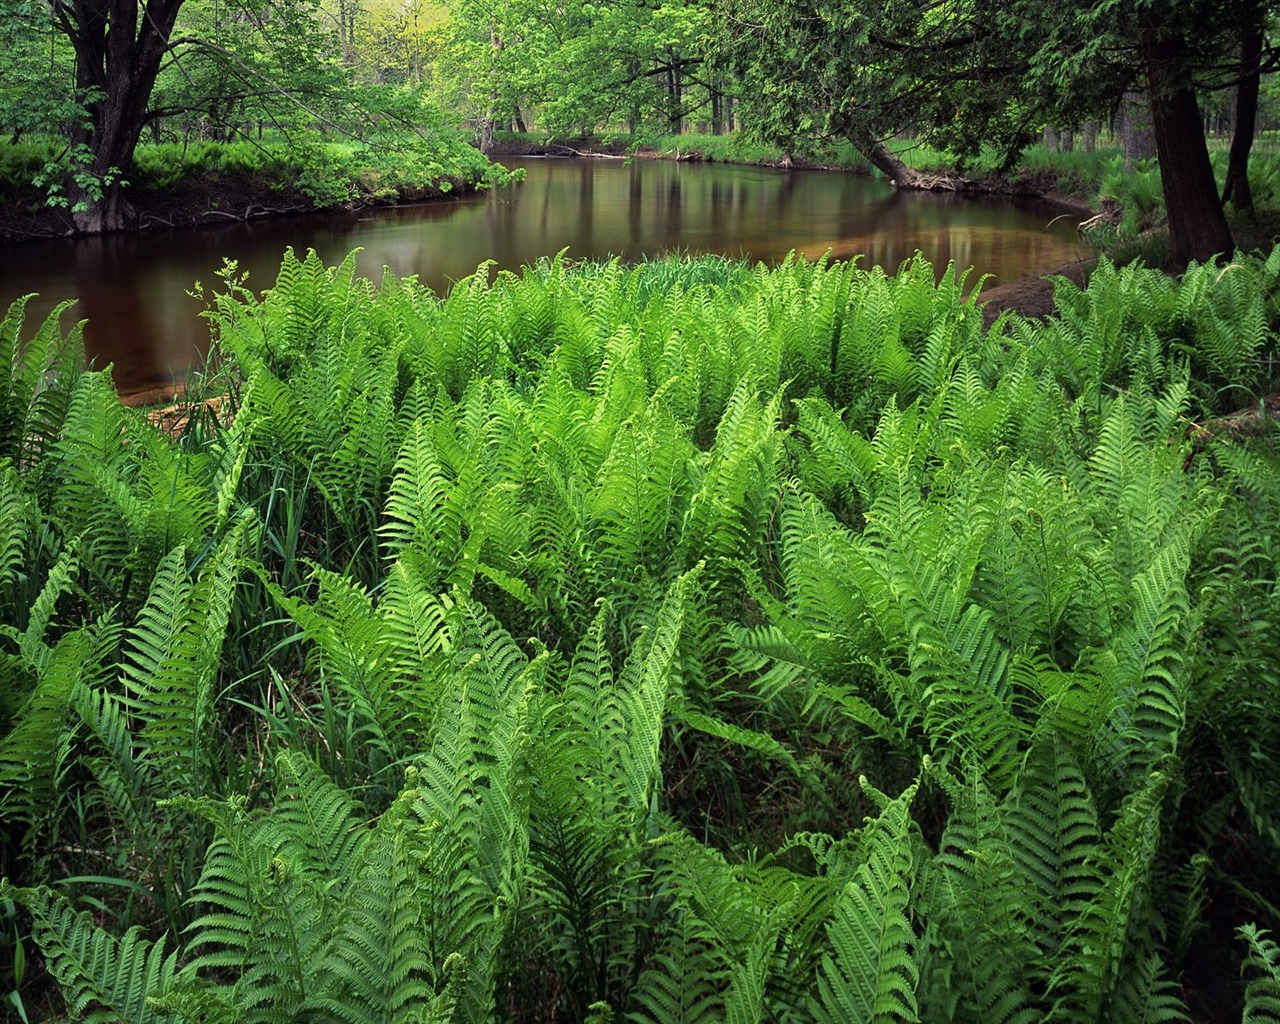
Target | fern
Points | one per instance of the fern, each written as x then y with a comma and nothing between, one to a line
103,979
1262,988
680,985
872,970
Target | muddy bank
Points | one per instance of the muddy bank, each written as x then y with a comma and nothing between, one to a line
1031,296
198,201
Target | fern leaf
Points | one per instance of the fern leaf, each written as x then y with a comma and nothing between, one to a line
104,980
871,972
1262,969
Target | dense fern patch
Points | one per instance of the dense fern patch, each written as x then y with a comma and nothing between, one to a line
681,642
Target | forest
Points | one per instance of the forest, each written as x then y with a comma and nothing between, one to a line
684,640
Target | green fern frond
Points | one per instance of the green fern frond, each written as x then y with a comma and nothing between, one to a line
871,971
36,378
983,909
1145,996
377,966
104,979
37,751
172,659
1262,969
643,690
1103,919
683,982
320,820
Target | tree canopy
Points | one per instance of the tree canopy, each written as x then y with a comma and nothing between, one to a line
962,74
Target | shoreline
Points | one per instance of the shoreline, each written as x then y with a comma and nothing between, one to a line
199,201
1041,186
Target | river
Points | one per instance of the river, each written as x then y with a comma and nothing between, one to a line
133,289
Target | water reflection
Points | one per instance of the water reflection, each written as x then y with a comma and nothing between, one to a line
133,290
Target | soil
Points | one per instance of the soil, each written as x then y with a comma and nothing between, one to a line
1030,296
194,201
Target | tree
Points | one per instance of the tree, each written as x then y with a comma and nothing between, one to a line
135,61
580,65
965,73
119,46
33,70
1247,88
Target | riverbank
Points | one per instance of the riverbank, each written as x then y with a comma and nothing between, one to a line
182,185
200,201
1067,179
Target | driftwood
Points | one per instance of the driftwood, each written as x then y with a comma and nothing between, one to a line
1109,216
172,419
591,155
253,210
939,183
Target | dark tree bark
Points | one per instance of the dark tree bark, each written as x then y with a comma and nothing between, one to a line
1237,190
675,94
1197,226
119,46
886,162
1089,136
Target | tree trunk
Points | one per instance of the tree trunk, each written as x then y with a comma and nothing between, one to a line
489,122
1197,226
675,95
887,163
1237,189
1133,126
117,58
1089,136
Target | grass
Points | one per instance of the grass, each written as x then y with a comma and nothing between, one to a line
329,170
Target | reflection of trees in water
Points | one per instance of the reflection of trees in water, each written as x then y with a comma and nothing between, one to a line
109,290
635,206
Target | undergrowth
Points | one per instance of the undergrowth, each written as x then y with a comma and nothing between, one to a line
684,642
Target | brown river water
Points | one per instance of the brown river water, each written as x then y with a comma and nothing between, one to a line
132,289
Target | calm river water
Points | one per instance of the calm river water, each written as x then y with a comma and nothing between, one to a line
133,289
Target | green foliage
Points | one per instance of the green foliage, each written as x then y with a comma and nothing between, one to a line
514,654
1262,990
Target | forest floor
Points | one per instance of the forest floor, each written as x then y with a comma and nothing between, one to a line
1031,296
